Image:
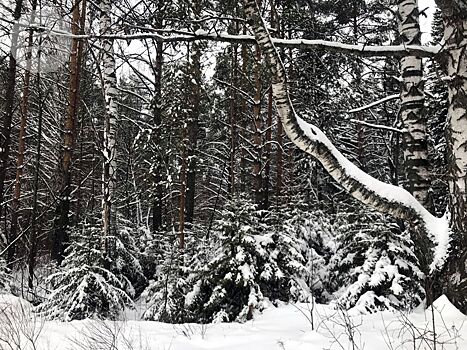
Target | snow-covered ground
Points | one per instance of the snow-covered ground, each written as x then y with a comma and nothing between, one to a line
287,327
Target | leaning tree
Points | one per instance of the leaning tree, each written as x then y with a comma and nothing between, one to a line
448,234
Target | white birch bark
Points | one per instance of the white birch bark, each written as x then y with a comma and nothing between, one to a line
383,197
412,106
109,81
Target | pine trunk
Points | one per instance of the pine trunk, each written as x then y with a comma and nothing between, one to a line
193,119
257,139
158,201
61,222
233,121
37,167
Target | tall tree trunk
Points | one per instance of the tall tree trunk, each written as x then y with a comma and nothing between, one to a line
157,110
182,200
21,145
233,120
257,139
61,222
266,181
109,81
414,119
243,113
193,118
9,107
454,62
37,165
412,106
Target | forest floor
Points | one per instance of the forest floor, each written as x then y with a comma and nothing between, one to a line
287,327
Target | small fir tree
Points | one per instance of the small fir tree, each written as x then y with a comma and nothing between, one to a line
374,264
90,284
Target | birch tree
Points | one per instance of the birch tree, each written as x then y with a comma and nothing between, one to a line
109,82
381,196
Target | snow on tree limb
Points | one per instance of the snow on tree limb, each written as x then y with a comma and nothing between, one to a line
172,35
383,197
375,103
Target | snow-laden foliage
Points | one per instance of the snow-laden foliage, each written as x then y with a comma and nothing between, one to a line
126,256
89,284
256,258
313,232
374,264
165,293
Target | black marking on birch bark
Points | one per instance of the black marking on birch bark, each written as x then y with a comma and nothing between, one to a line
315,147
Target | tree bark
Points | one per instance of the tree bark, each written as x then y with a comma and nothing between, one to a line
266,181
454,62
257,137
193,119
412,106
383,197
21,145
109,81
9,107
61,222
233,120
34,229
157,110
182,200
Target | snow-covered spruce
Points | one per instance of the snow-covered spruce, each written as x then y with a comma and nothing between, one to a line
165,294
374,264
166,291
255,258
310,235
89,285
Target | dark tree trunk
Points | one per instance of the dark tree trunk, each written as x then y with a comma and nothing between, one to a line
61,222
9,107
37,167
257,136
454,62
15,207
157,207
193,120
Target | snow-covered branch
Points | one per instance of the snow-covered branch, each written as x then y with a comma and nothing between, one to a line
375,103
168,35
378,126
383,197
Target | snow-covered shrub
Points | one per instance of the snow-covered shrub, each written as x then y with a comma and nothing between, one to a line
227,288
88,283
312,235
256,256
125,254
165,293
374,264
